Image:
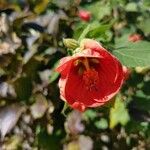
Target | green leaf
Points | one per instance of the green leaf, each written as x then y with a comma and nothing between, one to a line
41,6
98,30
131,7
101,124
90,114
55,74
23,88
145,26
95,30
2,72
99,10
118,113
66,106
46,141
142,101
134,54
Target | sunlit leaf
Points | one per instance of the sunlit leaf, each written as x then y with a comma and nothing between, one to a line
13,142
41,6
40,106
132,7
8,118
134,54
118,113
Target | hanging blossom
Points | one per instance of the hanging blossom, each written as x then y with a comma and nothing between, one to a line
90,77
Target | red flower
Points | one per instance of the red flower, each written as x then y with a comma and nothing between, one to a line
135,37
91,77
84,15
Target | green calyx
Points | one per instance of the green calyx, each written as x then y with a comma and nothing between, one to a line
70,43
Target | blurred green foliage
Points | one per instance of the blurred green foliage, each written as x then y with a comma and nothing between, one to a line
32,116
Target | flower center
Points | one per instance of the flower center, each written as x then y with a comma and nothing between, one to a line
91,78
89,74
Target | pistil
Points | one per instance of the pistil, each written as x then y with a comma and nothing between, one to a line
86,64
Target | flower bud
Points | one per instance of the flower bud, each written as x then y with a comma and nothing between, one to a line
70,43
134,37
84,15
